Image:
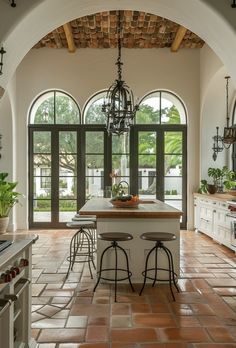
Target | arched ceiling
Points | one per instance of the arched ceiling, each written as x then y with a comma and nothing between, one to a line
138,30
23,26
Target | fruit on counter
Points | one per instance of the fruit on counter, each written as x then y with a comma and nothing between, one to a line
125,198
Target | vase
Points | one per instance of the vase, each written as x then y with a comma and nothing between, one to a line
211,188
4,221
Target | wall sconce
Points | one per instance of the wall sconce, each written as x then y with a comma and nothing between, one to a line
229,136
13,4
0,145
233,4
2,52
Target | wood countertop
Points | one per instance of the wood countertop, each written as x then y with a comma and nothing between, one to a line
216,196
101,207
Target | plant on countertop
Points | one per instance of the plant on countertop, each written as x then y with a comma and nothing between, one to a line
203,187
222,178
8,195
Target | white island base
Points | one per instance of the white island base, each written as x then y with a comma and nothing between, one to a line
156,217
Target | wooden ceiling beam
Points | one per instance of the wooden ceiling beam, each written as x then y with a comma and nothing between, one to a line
69,37
178,38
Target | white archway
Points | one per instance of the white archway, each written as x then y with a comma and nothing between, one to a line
31,23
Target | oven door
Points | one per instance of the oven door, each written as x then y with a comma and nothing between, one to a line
233,233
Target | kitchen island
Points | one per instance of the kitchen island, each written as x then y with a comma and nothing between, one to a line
149,216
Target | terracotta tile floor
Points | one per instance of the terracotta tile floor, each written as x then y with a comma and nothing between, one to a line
67,314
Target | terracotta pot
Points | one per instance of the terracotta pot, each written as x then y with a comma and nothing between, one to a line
4,221
211,189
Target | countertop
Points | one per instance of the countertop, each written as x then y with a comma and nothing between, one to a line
217,196
20,243
101,207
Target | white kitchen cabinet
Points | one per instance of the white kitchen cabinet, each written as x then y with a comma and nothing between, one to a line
211,218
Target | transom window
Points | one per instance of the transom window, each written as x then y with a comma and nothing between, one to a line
93,109
161,107
54,107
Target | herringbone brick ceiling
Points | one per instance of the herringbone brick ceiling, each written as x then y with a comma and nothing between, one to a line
139,30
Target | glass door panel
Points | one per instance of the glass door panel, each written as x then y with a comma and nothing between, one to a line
41,176
147,163
94,164
67,151
173,176
121,160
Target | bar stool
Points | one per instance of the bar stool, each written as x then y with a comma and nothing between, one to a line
114,238
91,218
159,238
81,245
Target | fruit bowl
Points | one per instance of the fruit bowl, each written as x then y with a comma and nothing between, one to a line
122,203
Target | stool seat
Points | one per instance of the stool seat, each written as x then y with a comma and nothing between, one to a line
79,217
158,236
80,224
115,236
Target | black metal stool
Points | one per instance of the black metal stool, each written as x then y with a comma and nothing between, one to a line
92,218
114,238
159,238
82,245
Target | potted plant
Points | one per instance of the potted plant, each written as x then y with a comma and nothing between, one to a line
8,198
222,178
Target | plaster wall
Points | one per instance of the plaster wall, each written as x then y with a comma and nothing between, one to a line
88,71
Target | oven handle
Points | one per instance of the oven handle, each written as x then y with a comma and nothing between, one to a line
5,304
14,297
229,215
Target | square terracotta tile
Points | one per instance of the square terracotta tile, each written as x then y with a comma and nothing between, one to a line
61,336
97,334
220,334
188,334
134,335
154,320
121,321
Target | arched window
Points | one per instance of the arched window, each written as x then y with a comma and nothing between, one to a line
92,113
161,107
54,107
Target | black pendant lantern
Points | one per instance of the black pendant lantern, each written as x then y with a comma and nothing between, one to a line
119,103
229,136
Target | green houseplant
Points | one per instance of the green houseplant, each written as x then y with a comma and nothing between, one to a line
222,178
8,198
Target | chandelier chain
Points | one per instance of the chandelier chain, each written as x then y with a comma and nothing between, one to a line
227,99
119,63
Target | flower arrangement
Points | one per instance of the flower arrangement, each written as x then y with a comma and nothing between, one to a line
114,186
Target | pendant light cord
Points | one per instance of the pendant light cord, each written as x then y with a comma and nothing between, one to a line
118,62
227,100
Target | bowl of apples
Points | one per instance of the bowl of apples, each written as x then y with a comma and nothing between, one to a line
125,201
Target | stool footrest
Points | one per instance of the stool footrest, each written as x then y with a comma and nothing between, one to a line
129,274
159,269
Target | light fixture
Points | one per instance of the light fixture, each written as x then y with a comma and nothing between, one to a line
229,136
0,145
2,52
119,102
13,4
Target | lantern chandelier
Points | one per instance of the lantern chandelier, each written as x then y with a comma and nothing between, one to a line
229,136
119,102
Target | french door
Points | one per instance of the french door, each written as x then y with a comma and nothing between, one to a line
159,165
71,164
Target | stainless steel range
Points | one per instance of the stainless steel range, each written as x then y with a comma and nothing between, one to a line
4,244
232,215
